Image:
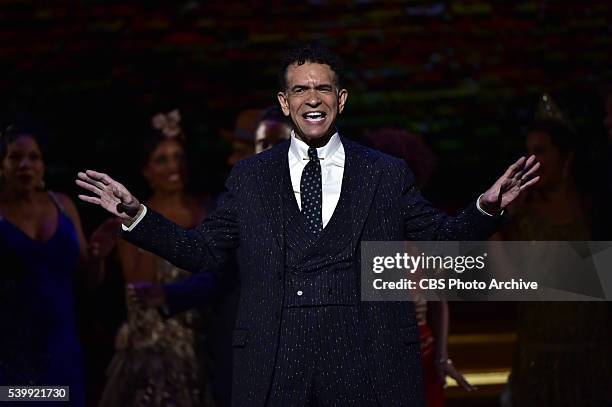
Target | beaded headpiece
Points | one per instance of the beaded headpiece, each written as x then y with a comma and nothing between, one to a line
168,124
548,110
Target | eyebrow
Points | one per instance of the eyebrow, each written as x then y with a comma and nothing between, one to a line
323,86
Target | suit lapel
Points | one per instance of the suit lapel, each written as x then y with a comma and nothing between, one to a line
360,181
359,184
271,181
361,175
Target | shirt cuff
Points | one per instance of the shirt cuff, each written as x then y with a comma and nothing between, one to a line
485,212
141,214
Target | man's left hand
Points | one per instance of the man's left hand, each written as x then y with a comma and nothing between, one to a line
517,178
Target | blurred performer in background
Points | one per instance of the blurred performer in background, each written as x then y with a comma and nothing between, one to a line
156,362
563,353
271,129
203,289
41,245
241,138
432,317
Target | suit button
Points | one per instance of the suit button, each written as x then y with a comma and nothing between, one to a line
299,293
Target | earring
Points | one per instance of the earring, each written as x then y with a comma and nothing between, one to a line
41,186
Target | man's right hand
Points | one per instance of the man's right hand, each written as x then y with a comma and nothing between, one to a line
109,194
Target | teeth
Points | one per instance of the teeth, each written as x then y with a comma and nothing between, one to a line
314,115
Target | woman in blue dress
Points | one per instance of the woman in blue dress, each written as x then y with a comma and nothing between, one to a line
41,245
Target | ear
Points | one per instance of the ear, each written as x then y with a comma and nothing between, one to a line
284,102
342,97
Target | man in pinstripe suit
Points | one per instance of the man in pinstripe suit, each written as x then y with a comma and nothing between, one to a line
295,216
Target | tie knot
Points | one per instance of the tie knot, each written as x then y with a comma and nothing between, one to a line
312,153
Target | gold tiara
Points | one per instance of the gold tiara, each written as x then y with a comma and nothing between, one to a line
547,109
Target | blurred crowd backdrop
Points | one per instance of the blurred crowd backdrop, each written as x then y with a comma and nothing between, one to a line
465,74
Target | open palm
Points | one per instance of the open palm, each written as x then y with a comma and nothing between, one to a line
108,193
517,178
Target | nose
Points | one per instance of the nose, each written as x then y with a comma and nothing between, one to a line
313,99
174,164
25,163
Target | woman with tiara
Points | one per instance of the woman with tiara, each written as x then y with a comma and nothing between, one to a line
156,363
563,351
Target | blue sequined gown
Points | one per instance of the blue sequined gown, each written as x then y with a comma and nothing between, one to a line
38,340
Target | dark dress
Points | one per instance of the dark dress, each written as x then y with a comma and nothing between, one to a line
563,351
39,344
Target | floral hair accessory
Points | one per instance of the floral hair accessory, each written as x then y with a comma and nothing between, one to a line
169,124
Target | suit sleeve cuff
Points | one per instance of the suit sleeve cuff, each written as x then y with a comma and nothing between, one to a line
485,212
133,223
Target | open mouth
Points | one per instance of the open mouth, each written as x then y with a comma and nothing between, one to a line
314,117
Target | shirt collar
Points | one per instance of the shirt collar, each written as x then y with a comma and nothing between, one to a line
330,153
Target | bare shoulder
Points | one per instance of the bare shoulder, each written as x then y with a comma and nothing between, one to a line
67,204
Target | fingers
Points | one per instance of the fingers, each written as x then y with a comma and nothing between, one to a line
89,187
530,173
107,180
530,161
530,182
465,385
99,183
86,178
458,377
99,176
90,199
527,167
514,168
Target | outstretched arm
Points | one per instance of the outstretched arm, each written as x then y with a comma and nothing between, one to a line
203,247
422,221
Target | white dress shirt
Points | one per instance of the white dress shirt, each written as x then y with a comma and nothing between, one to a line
331,157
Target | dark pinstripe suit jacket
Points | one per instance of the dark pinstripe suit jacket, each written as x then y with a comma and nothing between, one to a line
385,205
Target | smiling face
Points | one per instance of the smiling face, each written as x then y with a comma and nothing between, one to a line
312,100
23,168
165,169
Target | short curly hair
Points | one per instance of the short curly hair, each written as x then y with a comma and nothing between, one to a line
314,53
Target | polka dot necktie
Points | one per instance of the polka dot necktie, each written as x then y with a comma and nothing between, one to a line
311,192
